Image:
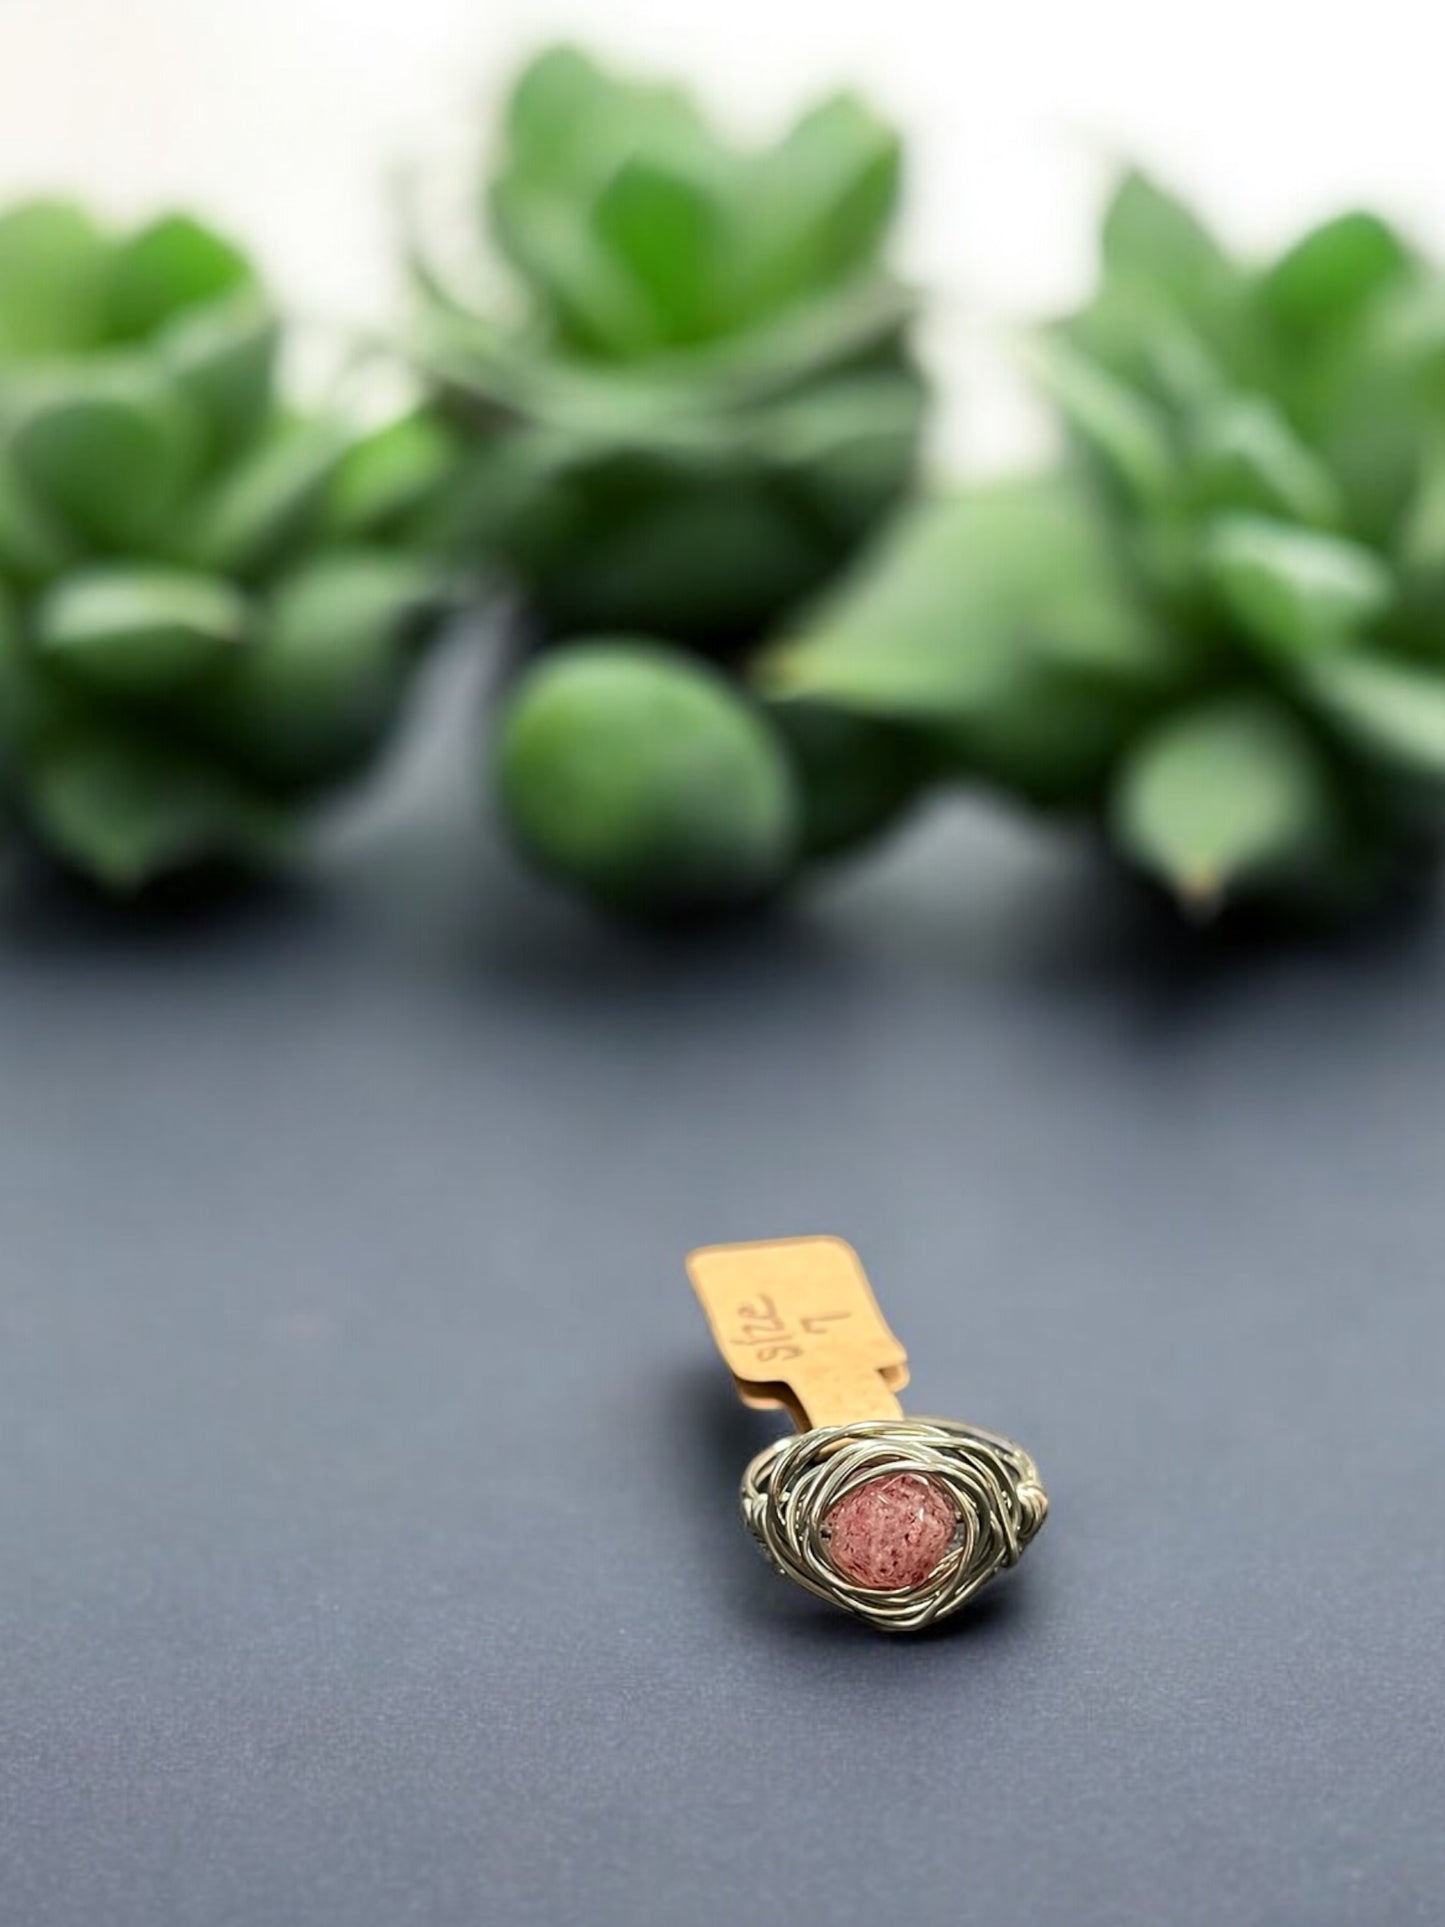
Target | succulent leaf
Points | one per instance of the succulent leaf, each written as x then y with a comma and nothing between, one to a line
390,480
222,358
1171,304
842,447
960,602
1152,239
1323,282
32,545
137,630
1227,793
856,776
313,697
646,781
127,812
552,108
159,272
1118,428
661,227
828,193
588,295
1391,712
700,535
53,262
265,503
1294,591
1248,457
107,455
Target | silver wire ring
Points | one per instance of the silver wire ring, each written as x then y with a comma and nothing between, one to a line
790,1490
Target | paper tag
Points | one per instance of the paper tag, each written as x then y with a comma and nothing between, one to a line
799,1328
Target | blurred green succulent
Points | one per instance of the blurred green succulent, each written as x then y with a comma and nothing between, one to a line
649,782
1222,629
704,398
646,781
203,616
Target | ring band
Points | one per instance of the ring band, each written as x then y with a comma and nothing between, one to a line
931,1508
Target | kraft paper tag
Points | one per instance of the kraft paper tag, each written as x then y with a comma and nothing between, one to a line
799,1329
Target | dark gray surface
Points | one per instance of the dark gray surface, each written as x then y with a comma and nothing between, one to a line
367,1546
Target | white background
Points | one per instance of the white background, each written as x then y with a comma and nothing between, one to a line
288,119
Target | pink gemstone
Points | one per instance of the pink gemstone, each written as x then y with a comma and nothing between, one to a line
890,1532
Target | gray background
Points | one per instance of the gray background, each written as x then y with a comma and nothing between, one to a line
367,1545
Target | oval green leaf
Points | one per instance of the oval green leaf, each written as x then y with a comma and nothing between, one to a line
645,779
223,360
171,265
313,697
1223,795
109,452
1392,712
126,812
139,631
661,227
53,260
267,501
1322,283
937,624
1296,592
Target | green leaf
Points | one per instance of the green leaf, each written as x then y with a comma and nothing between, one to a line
644,778
569,122
12,652
108,451
1247,457
1321,283
661,227
856,777
939,622
586,295
825,198
126,812
266,502
1392,712
571,128
1222,796
52,265
1422,537
313,697
636,227
675,543
138,631
33,705
172,265
1118,429
551,105
222,358
1051,737
31,546
1153,239
1295,591
1153,348
387,477
852,444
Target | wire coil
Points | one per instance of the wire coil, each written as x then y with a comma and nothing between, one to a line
790,1489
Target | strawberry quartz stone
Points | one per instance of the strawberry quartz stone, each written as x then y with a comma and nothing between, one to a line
890,1533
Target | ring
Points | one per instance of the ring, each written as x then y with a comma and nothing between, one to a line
898,1521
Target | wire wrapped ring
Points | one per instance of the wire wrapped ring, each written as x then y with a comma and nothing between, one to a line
790,1492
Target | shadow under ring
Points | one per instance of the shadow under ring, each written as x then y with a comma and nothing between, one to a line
791,1490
